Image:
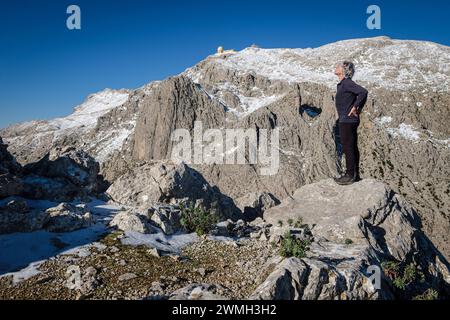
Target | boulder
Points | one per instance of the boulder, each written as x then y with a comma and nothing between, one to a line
19,206
10,182
16,216
8,163
131,221
62,175
336,213
85,281
236,229
356,228
223,229
167,217
196,292
254,204
10,185
331,272
169,183
77,166
127,277
66,218
54,189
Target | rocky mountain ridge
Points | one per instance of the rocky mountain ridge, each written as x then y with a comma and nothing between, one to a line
143,257
342,239
404,140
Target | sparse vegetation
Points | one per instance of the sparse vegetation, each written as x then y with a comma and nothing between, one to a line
222,262
298,223
430,294
196,219
293,247
390,165
348,242
402,277
391,268
399,283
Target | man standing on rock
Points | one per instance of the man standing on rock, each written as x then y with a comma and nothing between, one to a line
350,99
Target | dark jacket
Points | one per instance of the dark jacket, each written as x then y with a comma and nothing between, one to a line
349,95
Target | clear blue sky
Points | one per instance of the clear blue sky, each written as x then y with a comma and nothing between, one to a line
46,70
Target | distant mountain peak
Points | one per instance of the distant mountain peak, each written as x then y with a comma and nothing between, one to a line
380,62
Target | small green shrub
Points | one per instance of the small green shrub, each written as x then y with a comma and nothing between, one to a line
348,242
197,219
430,294
280,223
290,222
293,247
402,278
391,268
299,223
399,283
410,273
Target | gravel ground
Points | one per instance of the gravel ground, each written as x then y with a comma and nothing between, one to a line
130,272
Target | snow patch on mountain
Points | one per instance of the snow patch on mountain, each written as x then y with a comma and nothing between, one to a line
406,131
381,62
409,132
247,103
80,123
383,120
251,104
112,141
87,114
84,117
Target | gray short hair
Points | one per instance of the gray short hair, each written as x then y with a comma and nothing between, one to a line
348,67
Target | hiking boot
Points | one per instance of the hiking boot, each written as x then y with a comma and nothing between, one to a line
345,180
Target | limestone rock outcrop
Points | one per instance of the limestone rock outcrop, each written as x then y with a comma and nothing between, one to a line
166,182
131,221
196,292
357,229
66,218
18,216
8,163
10,183
254,204
63,174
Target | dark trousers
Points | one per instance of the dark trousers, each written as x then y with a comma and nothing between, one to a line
349,139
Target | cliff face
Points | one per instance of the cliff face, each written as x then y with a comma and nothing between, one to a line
404,133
